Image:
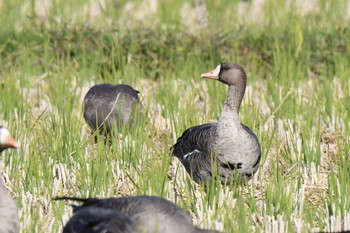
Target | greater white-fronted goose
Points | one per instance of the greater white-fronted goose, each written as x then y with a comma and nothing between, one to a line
233,146
106,105
147,214
9,222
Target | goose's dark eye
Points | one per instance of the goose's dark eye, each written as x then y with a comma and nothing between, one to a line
225,67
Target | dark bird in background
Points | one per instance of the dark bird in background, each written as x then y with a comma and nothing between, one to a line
146,214
231,145
107,106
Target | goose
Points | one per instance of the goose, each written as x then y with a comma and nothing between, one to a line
9,222
106,105
147,214
234,146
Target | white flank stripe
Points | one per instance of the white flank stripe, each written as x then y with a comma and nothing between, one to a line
186,155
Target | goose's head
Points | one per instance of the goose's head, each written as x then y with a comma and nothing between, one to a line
228,73
6,141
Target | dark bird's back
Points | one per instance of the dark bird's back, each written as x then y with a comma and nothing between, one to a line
106,105
148,213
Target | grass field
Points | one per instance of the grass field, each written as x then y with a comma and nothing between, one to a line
296,54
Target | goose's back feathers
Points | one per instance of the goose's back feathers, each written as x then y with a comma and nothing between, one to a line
149,214
97,220
195,138
194,150
107,104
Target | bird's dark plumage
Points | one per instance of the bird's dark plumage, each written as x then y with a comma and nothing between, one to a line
108,105
98,220
194,153
147,214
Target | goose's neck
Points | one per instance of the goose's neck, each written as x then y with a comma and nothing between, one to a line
233,102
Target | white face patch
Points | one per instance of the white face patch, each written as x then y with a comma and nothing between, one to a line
4,134
217,70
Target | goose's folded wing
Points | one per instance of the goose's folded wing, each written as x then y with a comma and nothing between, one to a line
194,140
98,220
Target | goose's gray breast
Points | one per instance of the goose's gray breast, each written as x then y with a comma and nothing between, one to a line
239,152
